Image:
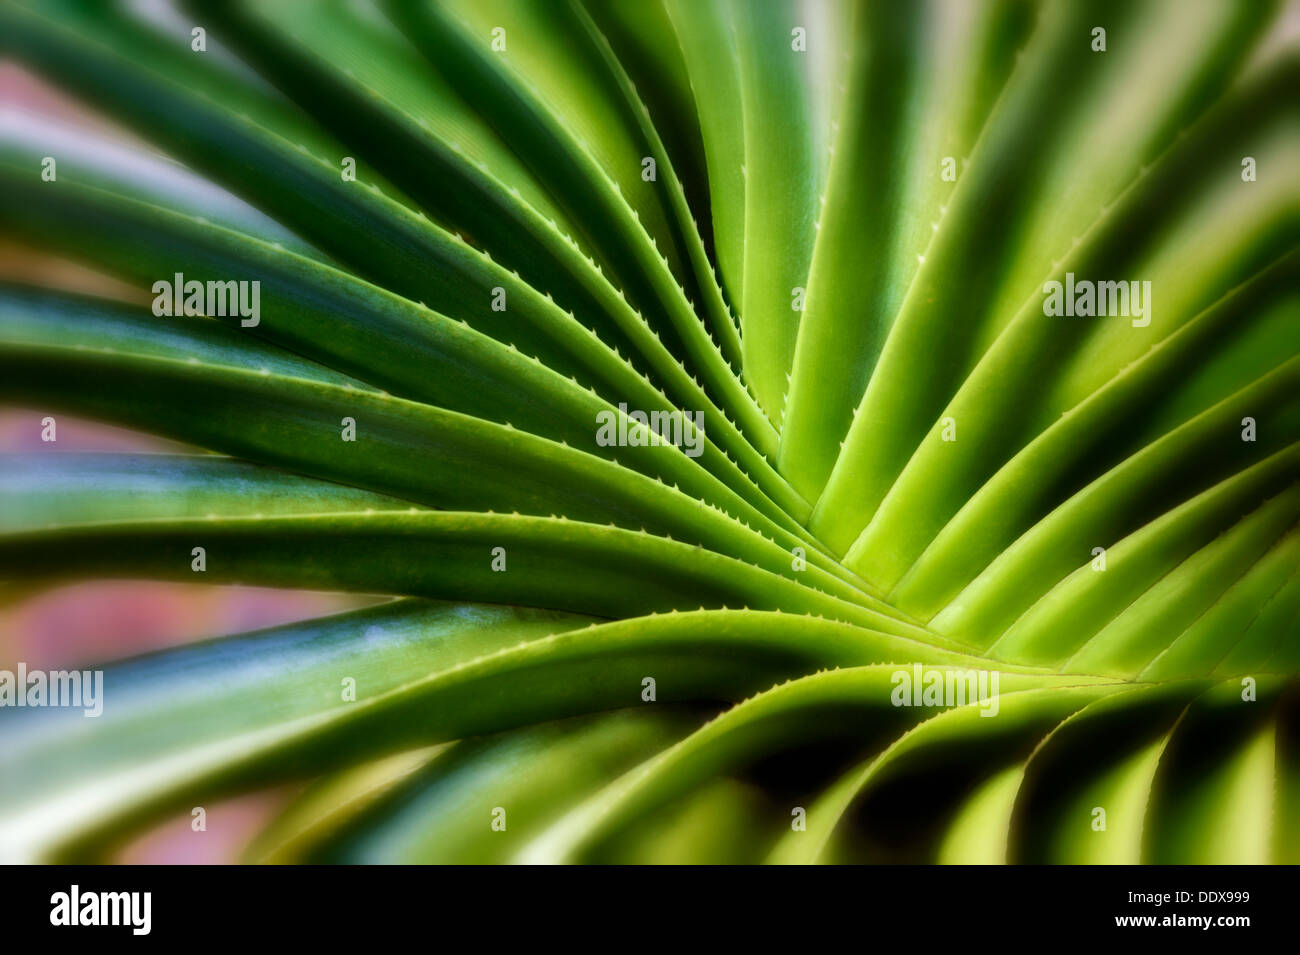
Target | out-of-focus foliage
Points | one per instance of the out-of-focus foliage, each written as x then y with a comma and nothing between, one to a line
826,234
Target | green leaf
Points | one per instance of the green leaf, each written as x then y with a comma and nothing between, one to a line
565,216
708,54
1135,563
783,181
935,342
333,801
47,489
1103,757
518,780
231,714
227,409
599,185
1100,431
262,705
367,331
852,707
925,774
884,199
1213,798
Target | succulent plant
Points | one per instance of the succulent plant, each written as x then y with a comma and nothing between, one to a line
840,431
